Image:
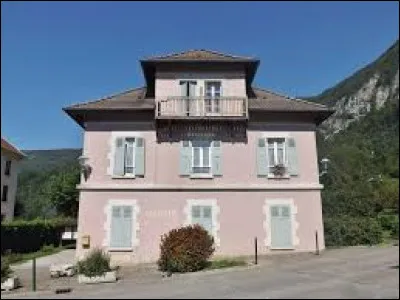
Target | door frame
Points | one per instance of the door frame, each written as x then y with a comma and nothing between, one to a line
293,221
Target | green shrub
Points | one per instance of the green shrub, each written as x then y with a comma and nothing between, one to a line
96,263
389,222
186,249
352,231
5,269
22,236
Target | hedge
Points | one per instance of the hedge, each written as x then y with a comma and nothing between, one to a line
352,231
22,236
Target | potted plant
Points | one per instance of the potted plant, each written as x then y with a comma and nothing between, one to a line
279,170
8,281
95,268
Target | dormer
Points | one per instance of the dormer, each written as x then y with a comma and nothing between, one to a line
199,83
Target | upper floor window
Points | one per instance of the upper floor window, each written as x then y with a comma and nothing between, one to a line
8,168
188,88
4,193
212,95
129,156
276,153
201,157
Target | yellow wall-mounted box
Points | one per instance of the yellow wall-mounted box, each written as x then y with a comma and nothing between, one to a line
85,241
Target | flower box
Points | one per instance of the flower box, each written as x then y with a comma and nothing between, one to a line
110,276
10,283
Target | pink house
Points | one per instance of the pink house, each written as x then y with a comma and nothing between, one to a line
199,144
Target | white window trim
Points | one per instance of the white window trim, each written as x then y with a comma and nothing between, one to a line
133,158
202,175
285,158
213,103
267,221
215,214
111,146
135,223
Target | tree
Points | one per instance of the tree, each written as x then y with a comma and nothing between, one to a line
60,190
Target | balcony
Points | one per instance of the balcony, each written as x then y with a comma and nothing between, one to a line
235,108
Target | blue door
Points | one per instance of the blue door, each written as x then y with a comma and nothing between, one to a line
281,227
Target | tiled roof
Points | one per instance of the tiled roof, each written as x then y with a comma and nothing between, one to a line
131,99
11,148
199,55
260,99
271,101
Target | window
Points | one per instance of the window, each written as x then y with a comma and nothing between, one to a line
213,93
8,168
276,153
5,193
129,156
121,226
202,215
201,157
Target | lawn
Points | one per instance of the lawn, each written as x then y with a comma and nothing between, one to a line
18,258
225,263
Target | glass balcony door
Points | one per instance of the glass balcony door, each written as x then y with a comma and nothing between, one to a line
212,97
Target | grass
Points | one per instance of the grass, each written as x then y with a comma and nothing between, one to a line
225,263
18,258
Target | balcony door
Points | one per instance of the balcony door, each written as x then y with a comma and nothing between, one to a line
188,93
212,97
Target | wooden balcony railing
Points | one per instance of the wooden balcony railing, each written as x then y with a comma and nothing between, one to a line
202,107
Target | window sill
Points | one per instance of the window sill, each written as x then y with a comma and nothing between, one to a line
123,177
130,249
201,176
271,176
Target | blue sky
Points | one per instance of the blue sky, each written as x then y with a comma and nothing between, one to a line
60,53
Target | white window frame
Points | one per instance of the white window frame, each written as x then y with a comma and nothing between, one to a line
213,99
133,158
285,159
215,211
201,162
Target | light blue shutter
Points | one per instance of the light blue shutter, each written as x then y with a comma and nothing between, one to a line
196,214
216,159
293,166
121,227
119,161
262,163
183,88
139,157
185,159
281,227
192,89
206,218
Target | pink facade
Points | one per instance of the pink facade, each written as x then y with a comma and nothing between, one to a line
245,199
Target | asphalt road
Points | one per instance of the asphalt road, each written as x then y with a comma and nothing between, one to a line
341,273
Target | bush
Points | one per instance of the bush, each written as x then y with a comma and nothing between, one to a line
186,249
352,231
96,263
389,222
5,269
22,236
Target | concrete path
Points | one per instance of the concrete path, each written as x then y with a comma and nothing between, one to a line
65,256
342,273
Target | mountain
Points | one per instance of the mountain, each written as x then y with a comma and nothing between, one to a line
366,90
46,160
35,173
361,139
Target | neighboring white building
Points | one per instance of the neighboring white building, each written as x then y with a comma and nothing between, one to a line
10,158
